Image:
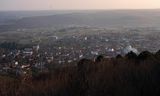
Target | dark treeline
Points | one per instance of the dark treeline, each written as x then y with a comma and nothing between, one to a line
129,75
13,45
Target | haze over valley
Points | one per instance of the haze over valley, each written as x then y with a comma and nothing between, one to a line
79,47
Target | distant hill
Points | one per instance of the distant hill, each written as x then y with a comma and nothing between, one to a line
121,18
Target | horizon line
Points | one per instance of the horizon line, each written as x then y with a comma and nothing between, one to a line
132,9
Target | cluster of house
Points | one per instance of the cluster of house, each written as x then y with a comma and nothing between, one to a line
28,60
24,62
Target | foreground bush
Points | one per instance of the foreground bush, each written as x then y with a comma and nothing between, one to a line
131,75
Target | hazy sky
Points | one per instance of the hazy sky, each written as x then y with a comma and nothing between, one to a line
77,4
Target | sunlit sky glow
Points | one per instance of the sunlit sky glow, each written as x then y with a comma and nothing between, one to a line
77,4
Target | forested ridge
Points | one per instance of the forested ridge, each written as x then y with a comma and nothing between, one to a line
129,75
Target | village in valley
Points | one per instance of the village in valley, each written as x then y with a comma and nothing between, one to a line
58,50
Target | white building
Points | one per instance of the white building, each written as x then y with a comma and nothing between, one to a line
129,49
